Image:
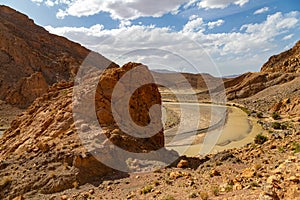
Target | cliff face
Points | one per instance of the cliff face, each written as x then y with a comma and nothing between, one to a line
286,62
31,59
45,148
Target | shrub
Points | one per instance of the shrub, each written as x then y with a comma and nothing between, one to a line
275,116
169,198
260,139
147,189
215,190
276,125
260,115
281,149
296,147
193,195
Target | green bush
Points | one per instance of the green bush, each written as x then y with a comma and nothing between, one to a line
260,115
275,116
296,147
147,189
169,198
260,139
276,125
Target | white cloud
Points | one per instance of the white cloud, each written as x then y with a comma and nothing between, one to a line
50,3
288,37
262,10
212,4
212,25
194,25
119,9
249,47
132,9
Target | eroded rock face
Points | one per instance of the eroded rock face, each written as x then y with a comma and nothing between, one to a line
42,150
27,90
139,105
289,106
251,83
30,55
286,62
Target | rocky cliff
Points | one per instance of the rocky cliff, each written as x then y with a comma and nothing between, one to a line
42,151
286,62
31,59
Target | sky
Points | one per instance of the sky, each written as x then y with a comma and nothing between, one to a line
220,37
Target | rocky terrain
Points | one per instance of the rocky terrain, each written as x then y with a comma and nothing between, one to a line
52,149
43,152
286,62
31,59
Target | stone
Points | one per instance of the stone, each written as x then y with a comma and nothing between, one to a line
237,186
19,198
248,173
215,173
183,164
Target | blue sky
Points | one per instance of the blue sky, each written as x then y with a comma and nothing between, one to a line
220,37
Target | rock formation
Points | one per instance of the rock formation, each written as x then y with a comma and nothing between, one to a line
30,56
43,151
288,106
249,84
286,62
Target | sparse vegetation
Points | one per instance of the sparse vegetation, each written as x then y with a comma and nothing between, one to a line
228,188
246,110
296,147
276,116
260,115
260,139
276,125
215,190
281,149
147,189
169,198
279,126
193,195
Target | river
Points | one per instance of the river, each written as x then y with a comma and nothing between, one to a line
219,128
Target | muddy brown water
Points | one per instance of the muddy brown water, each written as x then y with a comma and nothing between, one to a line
219,128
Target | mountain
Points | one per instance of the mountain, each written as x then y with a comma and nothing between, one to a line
32,59
274,89
45,150
52,150
286,62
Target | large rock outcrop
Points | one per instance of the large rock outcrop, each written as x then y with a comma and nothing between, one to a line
286,62
42,151
288,106
31,56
